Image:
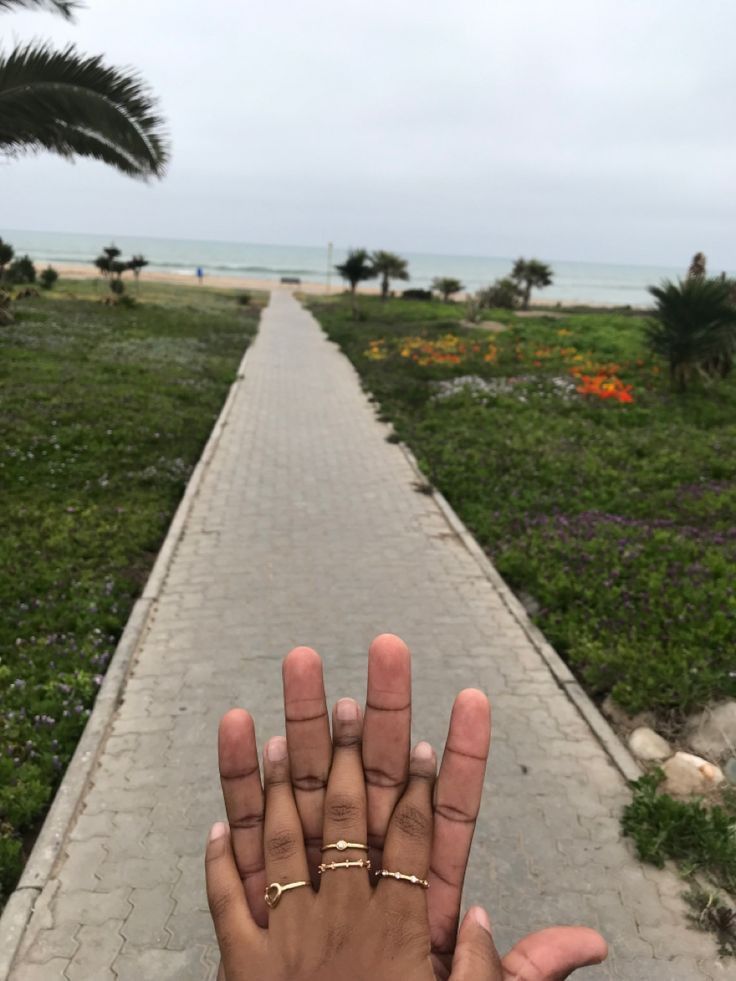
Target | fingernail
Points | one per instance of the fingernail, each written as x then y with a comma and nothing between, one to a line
276,749
423,751
478,915
218,830
347,710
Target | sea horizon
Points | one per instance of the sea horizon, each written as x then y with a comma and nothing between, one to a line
619,284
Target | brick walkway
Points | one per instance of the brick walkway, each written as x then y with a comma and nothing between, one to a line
308,530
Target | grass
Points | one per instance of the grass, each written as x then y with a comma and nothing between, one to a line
614,517
105,412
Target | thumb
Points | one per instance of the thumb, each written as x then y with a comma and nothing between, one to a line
476,957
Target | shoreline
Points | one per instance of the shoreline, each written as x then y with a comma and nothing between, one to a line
68,270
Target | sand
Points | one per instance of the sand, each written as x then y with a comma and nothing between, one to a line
71,271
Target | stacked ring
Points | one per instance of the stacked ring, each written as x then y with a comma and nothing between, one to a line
342,845
360,863
413,879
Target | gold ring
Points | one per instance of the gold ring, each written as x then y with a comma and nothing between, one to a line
359,863
341,845
274,891
414,879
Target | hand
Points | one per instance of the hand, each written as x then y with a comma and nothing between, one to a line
347,929
549,955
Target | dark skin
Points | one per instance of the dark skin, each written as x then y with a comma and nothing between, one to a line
548,955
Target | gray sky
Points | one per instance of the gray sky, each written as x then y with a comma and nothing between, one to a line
575,129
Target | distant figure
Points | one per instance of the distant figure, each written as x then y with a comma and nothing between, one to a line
200,275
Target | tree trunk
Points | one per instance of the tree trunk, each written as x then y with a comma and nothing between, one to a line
384,287
527,295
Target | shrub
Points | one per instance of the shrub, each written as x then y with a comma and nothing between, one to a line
244,299
504,293
416,294
694,328
117,286
48,277
21,271
446,286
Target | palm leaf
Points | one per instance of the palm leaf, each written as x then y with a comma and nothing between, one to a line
76,105
64,7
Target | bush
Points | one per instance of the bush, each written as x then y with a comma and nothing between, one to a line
694,328
48,277
117,286
244,299
504,293
416,294
21,271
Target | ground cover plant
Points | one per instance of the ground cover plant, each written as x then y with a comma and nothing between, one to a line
105,411
605,498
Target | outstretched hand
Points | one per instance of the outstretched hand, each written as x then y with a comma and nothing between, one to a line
548,955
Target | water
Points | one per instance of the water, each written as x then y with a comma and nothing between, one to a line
581,281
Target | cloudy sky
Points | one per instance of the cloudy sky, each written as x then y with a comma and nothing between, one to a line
575,129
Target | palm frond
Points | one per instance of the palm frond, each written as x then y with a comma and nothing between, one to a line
64,7
75,105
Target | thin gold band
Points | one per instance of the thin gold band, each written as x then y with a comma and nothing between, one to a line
275,890
359,863
413,879
343,845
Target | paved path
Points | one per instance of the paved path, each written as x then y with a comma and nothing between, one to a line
307,530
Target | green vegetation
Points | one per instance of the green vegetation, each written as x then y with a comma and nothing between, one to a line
530,273
694,328
105,411
388,266
699,838
48,277
446,286
76,105
602,495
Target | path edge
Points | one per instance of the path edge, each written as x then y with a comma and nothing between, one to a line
617,752
58,822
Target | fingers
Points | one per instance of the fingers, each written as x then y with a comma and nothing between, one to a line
345,802
409,836
235,928
283,846
386,731
476,958
457,801
309,742
553,954
241,788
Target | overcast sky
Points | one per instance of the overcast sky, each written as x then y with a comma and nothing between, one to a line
573,129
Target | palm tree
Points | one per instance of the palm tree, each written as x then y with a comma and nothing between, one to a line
528,273
6,251
446,286
75,105
356,268
697,267
388,265
694,328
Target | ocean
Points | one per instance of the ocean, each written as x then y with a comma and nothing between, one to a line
580,281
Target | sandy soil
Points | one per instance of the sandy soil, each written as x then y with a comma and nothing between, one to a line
70,271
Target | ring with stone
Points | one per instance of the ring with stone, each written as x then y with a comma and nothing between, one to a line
343,845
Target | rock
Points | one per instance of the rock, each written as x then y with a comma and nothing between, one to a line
621,718
646,744
688,774
729,770
712,733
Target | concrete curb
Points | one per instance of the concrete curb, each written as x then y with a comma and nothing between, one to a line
66,803
618,753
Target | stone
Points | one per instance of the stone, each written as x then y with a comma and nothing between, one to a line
688,774
621,719
712,733
729,770
646,744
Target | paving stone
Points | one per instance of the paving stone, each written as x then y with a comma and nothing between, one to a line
307,529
